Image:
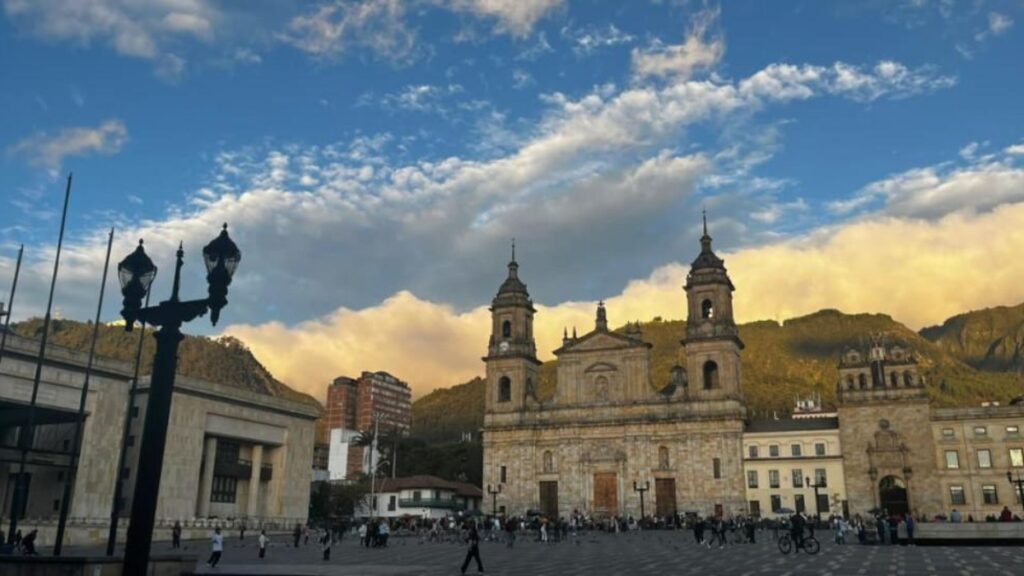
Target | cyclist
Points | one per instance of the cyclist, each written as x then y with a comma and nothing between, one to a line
796,529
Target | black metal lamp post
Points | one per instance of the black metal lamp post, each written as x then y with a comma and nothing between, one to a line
817,506
641,490
494,499
136,274
1018,482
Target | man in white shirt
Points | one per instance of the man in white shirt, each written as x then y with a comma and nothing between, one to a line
263,543
217,540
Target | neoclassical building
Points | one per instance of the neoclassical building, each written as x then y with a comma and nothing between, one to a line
608,428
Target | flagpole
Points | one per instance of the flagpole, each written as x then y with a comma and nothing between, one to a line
26,434
10,304
115,512
69,478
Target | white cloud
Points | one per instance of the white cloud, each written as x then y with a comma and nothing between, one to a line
331,30
427,98
998,24
514,17
590,39
1016,149
50,150
521,79
682,60
935,191
968,151
132,28
886,80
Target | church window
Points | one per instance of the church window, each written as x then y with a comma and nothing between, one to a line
952,459
710,375
894,380
989,495
549,462
506,329
504,389
504,475
957,496
663,461
863,380
908,379
707,310
717,465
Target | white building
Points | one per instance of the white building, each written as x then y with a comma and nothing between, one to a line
422,497
784,458
232,454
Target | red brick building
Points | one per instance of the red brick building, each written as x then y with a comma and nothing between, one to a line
352,405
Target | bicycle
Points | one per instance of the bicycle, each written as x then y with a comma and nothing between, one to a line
810,544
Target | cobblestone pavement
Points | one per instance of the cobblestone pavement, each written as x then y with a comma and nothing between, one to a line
655,553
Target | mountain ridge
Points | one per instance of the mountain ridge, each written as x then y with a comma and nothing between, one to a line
796,358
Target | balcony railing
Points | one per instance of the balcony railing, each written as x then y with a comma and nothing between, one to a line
446,503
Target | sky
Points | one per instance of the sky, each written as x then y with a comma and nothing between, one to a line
374,160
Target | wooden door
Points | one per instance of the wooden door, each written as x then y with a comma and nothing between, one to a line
665,497
549,499
606,493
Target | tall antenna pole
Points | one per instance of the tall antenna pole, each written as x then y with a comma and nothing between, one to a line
26,434
115,511
10,304
69,478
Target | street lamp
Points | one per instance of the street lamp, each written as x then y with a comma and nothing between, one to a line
1019,483
817,507
494,499
136,274
641,490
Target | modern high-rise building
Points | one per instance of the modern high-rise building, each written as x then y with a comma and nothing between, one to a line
352,406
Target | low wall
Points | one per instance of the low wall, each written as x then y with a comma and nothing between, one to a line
967,531
159,565
94,533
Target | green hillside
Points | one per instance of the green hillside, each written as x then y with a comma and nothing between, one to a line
991,339
224,360
780,363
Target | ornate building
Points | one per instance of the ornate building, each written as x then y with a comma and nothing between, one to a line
609,428
883,423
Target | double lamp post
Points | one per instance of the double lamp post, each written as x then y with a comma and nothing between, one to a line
136,274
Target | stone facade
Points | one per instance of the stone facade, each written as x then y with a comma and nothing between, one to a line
975,448
270,473
608,429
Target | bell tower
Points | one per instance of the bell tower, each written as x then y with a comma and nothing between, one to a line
712,339
511,352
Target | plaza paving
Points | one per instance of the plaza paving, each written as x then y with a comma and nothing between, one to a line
654,553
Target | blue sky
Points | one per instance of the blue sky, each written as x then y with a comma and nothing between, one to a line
375,154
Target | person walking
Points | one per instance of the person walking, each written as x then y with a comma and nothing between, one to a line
383,532
297,534
910,524
325,542
217,548
305,535
263,544
510,528
176,535
698,530
473,538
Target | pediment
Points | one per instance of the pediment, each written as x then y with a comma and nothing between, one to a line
601,340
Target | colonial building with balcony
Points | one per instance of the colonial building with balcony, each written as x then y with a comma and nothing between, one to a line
422,497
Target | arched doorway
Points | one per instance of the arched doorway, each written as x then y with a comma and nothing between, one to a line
892,495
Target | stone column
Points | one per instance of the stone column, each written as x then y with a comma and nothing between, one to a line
254,481
206,484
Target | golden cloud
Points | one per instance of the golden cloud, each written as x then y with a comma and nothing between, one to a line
919,272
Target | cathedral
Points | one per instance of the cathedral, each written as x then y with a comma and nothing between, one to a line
609,435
